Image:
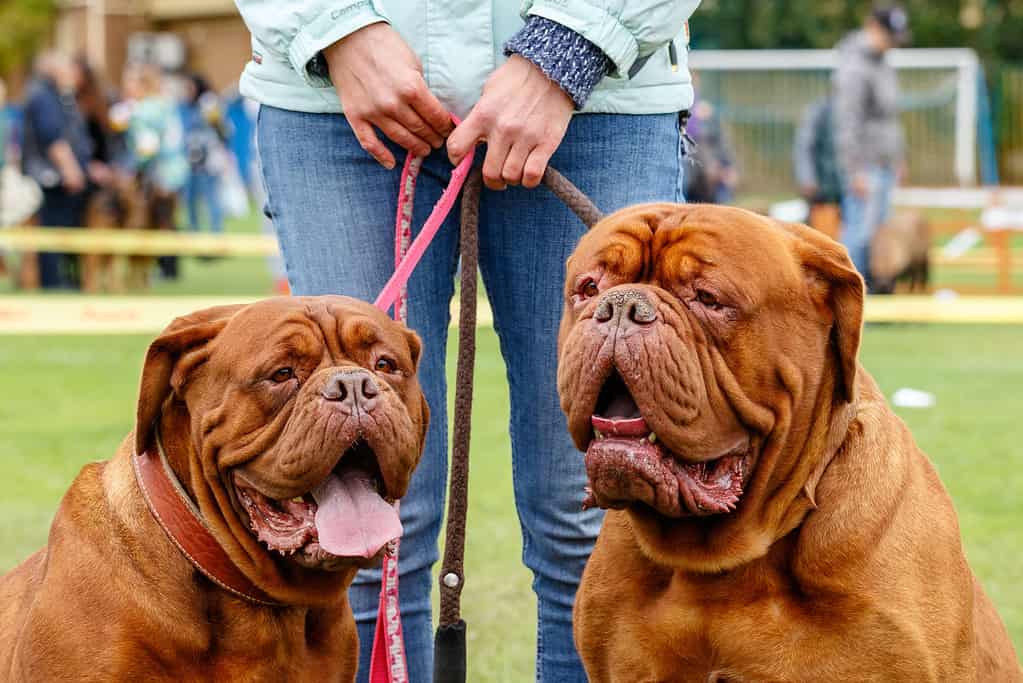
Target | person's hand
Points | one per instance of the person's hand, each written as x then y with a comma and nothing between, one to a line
901,173
380,83
860,184
808,190
522,116
100,173
730,177
73,180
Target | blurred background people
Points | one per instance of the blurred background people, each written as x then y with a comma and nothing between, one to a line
5,136
56,153
205,136
93,102
816,167
867,130
711,175
155,152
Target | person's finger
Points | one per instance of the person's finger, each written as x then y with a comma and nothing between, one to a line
367,137
536,165
415,124
427,106
464,137
401,135
498,149
514,164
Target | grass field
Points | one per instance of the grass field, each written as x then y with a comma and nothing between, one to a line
69,400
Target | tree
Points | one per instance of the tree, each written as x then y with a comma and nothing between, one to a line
992,27
26,23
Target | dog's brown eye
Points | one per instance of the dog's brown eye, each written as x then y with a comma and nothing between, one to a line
589,289
282,375
385,365
707,299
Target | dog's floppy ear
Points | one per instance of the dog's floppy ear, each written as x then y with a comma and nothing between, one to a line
835,286
171,356
415,347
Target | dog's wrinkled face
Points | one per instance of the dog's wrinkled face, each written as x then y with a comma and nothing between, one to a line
307,418
691,336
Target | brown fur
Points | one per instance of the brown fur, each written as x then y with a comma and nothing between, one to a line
110,598
900,249
843,560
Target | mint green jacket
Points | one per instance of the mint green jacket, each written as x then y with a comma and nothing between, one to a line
460,43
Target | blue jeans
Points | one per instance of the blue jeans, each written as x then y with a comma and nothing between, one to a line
334,207
204,187
861,216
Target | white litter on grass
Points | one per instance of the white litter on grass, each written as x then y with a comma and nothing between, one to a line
963,241
790,211
913,398
946,295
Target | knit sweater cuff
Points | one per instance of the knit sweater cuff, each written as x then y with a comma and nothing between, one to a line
568,59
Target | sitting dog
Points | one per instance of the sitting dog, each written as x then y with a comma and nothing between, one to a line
120,204
900,249
770,518
270,443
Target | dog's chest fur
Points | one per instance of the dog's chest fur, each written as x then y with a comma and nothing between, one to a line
640,622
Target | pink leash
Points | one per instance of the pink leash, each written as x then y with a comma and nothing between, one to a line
387,664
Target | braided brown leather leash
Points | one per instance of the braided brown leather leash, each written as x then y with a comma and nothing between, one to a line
449,644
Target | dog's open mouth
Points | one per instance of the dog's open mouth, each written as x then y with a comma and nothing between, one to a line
627,464
348,515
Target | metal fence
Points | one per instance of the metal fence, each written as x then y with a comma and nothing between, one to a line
947,119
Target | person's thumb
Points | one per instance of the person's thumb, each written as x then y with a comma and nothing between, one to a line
463,138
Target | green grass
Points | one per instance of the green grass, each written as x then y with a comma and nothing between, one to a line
69,400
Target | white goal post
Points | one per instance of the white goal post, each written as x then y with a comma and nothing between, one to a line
962,61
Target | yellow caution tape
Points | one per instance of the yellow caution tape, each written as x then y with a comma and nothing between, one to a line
142,242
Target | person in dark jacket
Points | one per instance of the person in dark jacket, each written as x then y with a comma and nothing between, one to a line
816,166
711,176
56,153
867,130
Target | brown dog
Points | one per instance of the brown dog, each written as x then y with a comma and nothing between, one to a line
291,424
770,518
121,204
901,249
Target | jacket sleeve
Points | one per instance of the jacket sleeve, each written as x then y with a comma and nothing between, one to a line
624,30
851,92
296,30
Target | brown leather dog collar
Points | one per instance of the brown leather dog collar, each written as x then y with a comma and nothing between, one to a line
178,516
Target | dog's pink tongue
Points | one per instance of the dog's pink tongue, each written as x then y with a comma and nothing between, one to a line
352,520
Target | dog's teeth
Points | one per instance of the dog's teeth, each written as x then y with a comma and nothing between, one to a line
297,499
651,437
598,434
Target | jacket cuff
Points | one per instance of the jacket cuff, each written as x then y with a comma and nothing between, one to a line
566,57
325,30
600,27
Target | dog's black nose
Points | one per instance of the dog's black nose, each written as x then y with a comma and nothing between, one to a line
624,306
354,390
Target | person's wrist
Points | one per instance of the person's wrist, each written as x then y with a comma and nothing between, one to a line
334,51
568,59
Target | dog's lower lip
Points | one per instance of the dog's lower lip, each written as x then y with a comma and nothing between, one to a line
617,426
